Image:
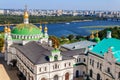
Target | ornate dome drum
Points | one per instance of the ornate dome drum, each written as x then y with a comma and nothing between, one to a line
26,31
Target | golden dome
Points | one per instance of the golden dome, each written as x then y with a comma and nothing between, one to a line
92,36
26,14
5,29
9,30
45,29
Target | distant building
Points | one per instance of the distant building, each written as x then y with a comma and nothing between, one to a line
1,11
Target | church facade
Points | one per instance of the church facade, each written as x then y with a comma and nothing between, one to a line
36,59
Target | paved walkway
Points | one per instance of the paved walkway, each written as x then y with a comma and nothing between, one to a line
11,73
3,73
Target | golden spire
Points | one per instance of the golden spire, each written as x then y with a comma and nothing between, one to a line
40,26
8,30
26,13
45,29
5,29
97,35
92,36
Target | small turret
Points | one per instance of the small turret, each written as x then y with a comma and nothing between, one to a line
97,39
5,29
40,27
8,30
97,34
92,36
108,34
45,29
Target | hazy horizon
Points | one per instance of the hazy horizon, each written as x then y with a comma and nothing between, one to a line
109,5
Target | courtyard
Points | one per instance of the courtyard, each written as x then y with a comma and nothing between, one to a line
7,72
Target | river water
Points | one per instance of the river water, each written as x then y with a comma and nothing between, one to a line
76,28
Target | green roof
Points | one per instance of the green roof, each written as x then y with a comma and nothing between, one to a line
102,47
55,51
97,39
26,29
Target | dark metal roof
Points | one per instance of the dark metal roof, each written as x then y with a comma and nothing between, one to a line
37,53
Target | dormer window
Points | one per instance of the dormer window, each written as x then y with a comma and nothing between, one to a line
56,57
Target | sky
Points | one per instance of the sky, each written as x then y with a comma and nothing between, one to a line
62,4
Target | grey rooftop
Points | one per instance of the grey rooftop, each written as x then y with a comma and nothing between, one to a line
78,45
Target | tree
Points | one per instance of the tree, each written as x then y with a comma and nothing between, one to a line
55,41
71,37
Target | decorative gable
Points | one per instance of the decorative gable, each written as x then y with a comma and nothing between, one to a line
55,55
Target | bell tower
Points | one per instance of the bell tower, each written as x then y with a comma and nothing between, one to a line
26,16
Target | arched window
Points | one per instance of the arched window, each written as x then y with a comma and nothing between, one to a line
90,61
56,77
91,73
67,76
98,76
56,57
119,75
77,73
84,60
79,59
108,69
55,66
93,63
69,64
43,79
97,64
40,69
101,66
45,68
65,64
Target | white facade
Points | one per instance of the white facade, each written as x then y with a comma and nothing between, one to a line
95,66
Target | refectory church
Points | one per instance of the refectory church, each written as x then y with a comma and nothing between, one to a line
36,59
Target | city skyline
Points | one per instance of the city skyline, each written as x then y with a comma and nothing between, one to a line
61,4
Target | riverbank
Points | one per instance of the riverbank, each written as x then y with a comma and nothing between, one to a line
50,19
48,23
